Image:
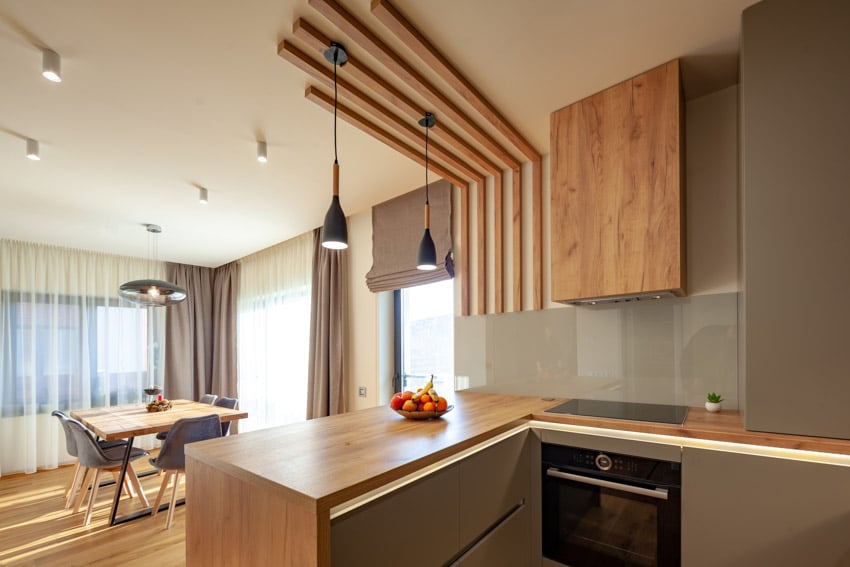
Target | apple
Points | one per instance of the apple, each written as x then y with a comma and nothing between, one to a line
409,405
407,395
397,401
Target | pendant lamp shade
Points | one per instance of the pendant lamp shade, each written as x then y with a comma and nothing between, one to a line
335,228
427,257
151,292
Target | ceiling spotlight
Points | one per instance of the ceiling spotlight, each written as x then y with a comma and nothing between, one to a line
262,155
32,150
51,66
202,195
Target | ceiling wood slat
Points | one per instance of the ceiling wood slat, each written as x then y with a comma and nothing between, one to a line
358,71
369,42
399,26
464,252
498,244
481,244
516,211
537,233
349,115
358,98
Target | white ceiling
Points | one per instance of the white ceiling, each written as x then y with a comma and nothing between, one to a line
163,96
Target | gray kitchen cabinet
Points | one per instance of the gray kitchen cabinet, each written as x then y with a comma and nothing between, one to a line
493,482
415,526
466,513
794,305
744,510
507,544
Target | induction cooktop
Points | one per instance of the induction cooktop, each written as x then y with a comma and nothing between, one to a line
657,413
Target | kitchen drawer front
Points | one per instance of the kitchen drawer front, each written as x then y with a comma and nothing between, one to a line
415,526
492,483
509,543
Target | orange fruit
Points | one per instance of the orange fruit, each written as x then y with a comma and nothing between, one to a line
425,398
442,404
428,406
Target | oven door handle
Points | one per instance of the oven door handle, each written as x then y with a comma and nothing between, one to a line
660,493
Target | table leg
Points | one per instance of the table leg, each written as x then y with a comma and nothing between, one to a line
120,483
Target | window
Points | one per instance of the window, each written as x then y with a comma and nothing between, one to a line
71,351
273,333
424,336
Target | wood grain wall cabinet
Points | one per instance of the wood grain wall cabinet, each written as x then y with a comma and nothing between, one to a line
618,191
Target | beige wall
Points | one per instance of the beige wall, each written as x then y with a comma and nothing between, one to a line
364,315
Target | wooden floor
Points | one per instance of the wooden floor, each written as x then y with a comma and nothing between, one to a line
36,530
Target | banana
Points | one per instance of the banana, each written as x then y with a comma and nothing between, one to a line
434,397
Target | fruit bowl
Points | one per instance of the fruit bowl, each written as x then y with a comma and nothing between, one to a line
423,414
159,405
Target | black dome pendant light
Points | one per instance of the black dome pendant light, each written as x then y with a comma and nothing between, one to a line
152,293
335,229
427,257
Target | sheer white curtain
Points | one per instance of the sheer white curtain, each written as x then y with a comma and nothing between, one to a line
68,342
273,333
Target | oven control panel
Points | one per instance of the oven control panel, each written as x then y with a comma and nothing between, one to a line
610,463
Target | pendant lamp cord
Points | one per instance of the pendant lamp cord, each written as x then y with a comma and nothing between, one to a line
426,158
336,54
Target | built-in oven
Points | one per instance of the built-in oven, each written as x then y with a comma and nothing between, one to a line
605,509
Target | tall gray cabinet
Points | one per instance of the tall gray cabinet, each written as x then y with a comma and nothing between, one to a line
795,207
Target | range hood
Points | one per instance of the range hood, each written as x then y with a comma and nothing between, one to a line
623,298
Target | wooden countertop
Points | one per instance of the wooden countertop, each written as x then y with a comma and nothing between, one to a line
331,460
726,425
334,459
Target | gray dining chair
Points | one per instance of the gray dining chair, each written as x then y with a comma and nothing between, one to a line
172,458
229,403
71,449
94,458
208,399
205,399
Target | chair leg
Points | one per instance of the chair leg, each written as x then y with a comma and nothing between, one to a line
136,485
72,488
93,497
125,490
173,500
159,494
84,488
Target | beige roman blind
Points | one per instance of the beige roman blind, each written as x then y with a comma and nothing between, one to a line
397,228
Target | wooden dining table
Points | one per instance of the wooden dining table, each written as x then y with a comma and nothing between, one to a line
130,421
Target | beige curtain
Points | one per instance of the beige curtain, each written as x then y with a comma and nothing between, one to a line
200,332
328,368
397,229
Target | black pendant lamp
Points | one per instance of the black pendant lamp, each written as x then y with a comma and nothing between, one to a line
335,229
152,293
427,257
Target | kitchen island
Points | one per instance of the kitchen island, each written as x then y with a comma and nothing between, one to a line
267,497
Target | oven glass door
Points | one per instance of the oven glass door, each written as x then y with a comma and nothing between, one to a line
625,526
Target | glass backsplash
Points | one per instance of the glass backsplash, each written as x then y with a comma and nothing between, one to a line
670,351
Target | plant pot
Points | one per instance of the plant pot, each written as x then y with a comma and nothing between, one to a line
712,406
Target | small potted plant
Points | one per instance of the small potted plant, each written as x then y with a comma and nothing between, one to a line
712,403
